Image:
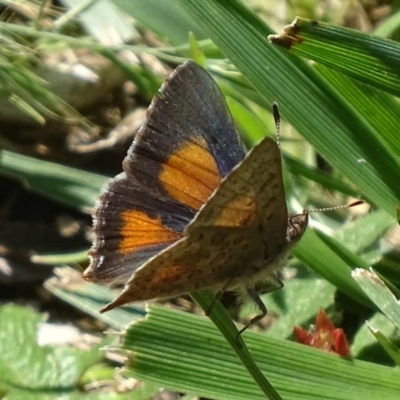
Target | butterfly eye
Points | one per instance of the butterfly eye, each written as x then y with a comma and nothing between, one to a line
297,225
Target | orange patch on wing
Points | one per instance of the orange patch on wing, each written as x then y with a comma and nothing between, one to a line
163,275
139,230
191,174
239,212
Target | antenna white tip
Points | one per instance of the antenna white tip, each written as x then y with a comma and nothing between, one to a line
353,204
277,118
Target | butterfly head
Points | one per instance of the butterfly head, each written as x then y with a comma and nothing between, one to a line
297,225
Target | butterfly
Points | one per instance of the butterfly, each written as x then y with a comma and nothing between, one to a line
191,210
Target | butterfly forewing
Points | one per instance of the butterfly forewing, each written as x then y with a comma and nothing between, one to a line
186,146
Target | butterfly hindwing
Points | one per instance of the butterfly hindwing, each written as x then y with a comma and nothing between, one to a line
131,228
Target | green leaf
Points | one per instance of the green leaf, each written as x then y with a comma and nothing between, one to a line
76,188
379,293
186,353
370,59
57,259
364,232
246,121
97,17
389,25
364,345
165,18
387,344
27,369
316,175
379,110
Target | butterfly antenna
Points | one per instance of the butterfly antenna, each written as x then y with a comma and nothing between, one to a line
277,118
353,204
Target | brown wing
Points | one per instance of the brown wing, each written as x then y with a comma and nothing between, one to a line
244,218
184,149
194,262
251,195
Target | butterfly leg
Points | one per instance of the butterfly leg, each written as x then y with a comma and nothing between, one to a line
272,285
256,298
218,296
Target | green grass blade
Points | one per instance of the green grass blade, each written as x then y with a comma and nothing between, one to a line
387,344
326,180
379,293
224,323
379,110
389,25
165,18
58,259
186,353
370,59
73,187
68,285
